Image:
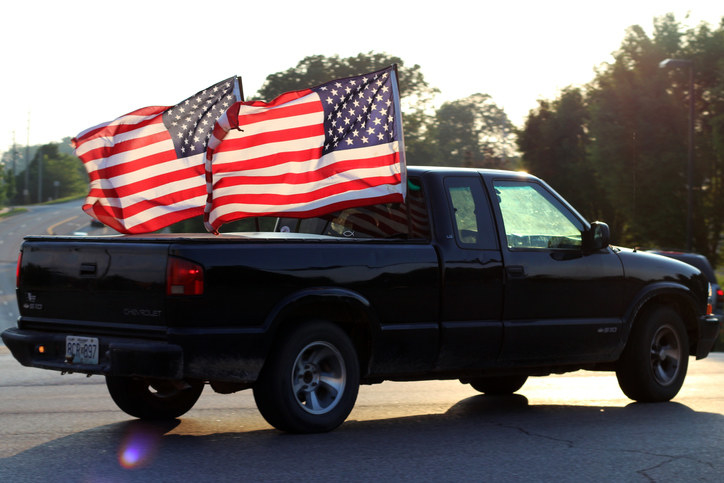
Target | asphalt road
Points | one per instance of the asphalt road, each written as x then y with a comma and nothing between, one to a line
575,427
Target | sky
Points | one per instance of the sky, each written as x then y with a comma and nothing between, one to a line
69,65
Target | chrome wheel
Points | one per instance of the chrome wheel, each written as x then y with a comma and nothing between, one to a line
318,377
666,354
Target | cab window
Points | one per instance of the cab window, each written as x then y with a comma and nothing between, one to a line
473,221
408,220
534,219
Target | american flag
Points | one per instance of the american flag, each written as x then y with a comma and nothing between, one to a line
308,152
146,168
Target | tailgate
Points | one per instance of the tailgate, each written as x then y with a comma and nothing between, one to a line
70,282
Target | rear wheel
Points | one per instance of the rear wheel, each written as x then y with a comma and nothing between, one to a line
153,398
653,365
310,381
498,385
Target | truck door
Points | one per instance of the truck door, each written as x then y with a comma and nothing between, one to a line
471,325
561,303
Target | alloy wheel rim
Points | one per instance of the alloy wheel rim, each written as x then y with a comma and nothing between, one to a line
666,355
318,378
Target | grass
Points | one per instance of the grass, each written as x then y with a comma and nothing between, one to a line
63,200
5,211
12,211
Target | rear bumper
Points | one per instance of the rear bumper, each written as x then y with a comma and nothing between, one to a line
709,326
117,356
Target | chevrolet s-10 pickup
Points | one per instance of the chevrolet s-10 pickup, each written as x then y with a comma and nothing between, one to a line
488,277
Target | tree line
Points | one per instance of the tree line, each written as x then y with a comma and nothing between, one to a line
472,131
616,148
53,172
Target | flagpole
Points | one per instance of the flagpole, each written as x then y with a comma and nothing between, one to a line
238,89
399,134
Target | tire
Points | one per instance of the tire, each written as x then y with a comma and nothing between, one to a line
153,398
653,365
310,381
498,385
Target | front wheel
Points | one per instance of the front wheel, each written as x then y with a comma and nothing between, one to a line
310,381
153,398
653,365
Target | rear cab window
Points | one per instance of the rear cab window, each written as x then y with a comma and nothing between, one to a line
408,220
472,219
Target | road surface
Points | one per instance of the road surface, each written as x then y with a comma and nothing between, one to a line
575,427
570,428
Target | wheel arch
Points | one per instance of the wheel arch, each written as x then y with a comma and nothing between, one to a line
349,310
673,295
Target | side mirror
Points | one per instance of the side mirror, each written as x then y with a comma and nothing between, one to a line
597,237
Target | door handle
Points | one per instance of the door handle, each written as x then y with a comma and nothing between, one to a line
515,271
88,269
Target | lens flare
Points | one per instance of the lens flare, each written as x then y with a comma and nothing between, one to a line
138,446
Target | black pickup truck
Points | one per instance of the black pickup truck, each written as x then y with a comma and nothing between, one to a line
484,276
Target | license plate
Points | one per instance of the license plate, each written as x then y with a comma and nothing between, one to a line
81,350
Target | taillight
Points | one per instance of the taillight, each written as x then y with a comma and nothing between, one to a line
711,300
184,277
17,270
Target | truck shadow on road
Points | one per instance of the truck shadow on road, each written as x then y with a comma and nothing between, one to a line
479,432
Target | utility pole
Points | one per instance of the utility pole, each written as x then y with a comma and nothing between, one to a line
40,177
26,186
12,185
14,154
